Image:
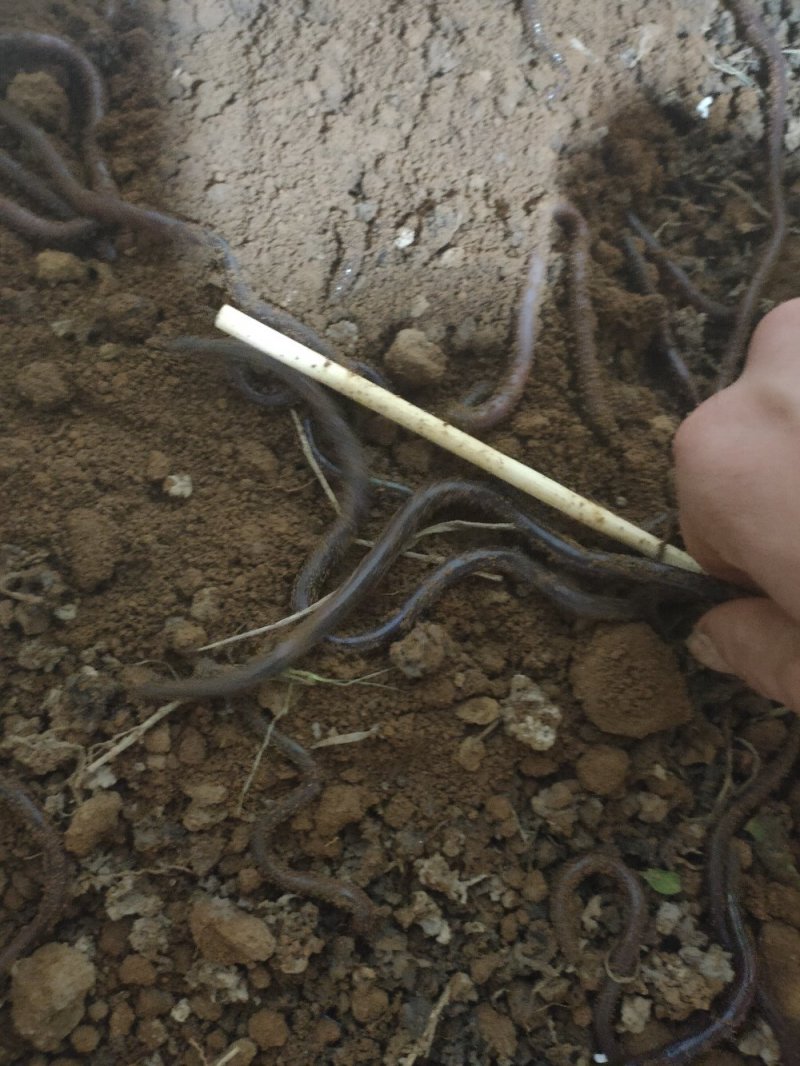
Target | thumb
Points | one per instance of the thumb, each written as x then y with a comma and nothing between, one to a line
756,641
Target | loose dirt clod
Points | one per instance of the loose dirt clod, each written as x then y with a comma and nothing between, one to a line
630,683
48,990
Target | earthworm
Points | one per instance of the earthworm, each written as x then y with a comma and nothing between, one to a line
261,309
56,869
342,894
666,340
508,393
25,49
276,398
765,43
592,564
38,230
682,281
721,855
623,959
35,187
513,564
590,381
104,207
722,1025
328,465
375,564
354,500
101,205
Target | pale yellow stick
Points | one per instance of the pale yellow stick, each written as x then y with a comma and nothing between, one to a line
340,379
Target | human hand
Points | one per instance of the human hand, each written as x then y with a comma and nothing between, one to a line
738,479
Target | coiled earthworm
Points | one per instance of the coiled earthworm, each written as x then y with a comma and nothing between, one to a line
56,870
102,207
766,43
483,416
623,959
590,380
625,955
666,340
342,894
26,50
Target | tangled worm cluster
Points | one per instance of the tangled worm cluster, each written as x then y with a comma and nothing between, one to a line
587,583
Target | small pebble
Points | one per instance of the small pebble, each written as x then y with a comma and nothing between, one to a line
55,267
137,970
422,651
93,821
48,989
340,805
368,1003
480,710
529,715
178,486
185,636
92,547
602,769
43,385
415,361
268,1029
405,237
226,935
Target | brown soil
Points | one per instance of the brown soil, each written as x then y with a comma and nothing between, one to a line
379,167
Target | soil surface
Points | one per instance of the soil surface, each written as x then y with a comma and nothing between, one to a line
378,167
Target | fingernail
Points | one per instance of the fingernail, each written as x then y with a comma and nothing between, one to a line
705,651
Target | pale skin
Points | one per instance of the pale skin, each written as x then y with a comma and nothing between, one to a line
737,462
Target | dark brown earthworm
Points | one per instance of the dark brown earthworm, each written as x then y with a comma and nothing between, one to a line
624,958
25,50
342,894
679,276
719,1024
56,872
103,207
721,856
592,565
485,415
513,564
56,233
666,340
590,382
372,568
623,961
766,43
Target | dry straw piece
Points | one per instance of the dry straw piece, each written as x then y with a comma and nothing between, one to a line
405,414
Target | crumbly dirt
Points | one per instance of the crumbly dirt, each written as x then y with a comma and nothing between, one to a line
379,167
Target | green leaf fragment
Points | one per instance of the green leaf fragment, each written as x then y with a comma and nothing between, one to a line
665,882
